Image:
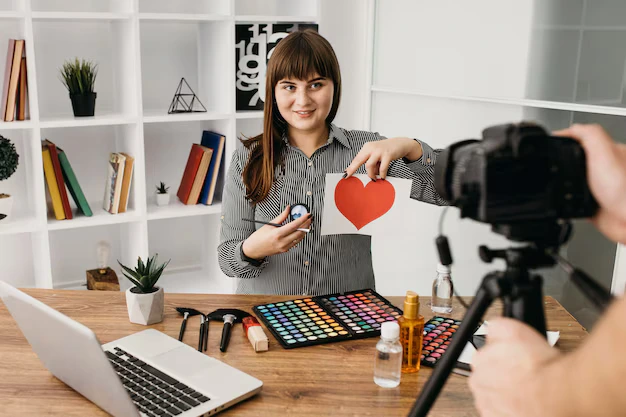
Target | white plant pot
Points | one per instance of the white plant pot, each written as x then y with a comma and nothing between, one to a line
145,308
6,204
162,199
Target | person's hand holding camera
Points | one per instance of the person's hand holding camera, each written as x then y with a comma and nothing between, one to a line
606,174
270,240
514,368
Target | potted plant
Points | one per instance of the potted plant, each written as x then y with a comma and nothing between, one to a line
8,164
79,77
145,301
162,196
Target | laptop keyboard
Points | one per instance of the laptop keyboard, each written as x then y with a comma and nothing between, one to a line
153,392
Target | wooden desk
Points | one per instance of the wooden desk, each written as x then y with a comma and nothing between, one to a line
333,379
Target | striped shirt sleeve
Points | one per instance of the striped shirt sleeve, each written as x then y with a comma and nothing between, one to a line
233,231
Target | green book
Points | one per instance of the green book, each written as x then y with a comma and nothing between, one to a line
72,184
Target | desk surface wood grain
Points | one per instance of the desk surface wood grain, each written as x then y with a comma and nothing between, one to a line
332,379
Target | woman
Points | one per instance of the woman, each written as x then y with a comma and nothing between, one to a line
287,164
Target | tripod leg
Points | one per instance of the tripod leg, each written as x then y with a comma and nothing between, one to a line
488,291
527,305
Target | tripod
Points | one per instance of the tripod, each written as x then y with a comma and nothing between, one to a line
522,299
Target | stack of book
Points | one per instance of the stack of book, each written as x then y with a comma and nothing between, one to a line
13,106
117,188
199,181
58,173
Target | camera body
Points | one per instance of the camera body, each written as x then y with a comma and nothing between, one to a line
516,174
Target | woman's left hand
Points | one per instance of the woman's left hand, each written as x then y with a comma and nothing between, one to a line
378,155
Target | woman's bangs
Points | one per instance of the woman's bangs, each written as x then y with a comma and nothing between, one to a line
302,64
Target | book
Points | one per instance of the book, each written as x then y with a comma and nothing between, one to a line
51,182
9,115
200,175
7,77
72,184
189,174
113,184
54,155
126,180
21,92
216,142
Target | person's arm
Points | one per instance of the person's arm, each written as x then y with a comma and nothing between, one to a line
403,158
518,374
239,238
233,230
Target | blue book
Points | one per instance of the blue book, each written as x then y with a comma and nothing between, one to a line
214,141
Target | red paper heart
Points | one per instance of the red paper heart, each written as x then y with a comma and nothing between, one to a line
362,205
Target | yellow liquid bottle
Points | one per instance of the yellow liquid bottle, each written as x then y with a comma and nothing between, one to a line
411,333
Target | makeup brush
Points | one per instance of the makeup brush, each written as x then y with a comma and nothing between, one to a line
206,333
228,316
186,312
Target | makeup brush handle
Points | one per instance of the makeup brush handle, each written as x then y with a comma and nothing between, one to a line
182,330
201,337
206,335
225,336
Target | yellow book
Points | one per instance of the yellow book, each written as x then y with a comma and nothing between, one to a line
53,187
128,174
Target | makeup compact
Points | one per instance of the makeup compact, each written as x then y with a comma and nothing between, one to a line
298,210
327,318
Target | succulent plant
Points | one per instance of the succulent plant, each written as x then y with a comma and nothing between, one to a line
161,188
145,275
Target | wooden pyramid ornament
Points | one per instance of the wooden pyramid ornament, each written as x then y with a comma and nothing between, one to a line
185,102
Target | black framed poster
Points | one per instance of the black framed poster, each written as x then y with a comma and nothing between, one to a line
254,43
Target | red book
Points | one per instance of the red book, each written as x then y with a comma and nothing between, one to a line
195,157
54,154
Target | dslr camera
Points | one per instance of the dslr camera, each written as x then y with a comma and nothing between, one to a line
518,178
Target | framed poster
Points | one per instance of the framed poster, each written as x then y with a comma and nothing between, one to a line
254,43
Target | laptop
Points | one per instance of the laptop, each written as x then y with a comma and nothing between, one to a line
145,374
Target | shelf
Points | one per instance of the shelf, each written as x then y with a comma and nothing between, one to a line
19,124
97,120
195,281
182,17
17,224
276,19
11,15
155,116
252,114
99,218
177,209
64,16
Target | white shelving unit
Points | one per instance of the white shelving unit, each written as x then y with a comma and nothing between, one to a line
143,48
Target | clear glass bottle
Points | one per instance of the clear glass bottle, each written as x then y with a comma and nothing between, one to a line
411,333
443,290
388,356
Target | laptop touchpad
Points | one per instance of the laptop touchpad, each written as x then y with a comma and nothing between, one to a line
183,362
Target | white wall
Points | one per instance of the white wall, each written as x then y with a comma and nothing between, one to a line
344,23
469,49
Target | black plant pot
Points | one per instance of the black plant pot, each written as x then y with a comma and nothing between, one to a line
83,104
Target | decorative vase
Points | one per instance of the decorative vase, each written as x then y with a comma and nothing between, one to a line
83,104
6,202
145,308
162,199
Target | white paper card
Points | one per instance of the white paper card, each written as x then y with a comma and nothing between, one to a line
358,205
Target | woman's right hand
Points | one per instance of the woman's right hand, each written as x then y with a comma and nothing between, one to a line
271,240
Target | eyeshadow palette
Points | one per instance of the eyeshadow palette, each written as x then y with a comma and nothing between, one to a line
327,318
438,333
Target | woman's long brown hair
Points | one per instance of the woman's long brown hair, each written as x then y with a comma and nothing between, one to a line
299,55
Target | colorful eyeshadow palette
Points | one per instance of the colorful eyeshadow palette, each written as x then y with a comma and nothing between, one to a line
327,318
438,333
